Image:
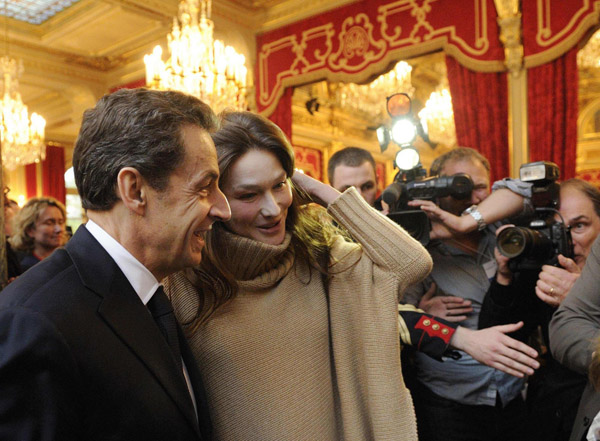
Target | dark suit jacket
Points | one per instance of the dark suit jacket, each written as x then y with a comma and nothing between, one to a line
588,408
81,358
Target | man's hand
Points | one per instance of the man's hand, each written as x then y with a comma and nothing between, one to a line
453,309
554,283
493,348
444,224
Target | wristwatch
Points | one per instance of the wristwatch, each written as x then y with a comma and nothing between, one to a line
474,212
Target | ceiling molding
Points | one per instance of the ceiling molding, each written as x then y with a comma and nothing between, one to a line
287,12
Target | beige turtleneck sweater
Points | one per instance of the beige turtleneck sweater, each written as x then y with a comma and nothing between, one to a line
286,361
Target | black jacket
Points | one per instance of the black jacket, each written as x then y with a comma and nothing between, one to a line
81,358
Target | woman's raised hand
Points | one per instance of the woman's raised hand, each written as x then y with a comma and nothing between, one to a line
317,191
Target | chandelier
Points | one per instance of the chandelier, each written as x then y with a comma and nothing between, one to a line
22,139
438,117
369,99
199,65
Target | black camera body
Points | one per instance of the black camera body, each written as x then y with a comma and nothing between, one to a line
538,244
543,238
410,186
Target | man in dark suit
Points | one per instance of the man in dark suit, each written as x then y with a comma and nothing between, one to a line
81,355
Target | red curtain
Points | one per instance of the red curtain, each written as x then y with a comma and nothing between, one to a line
480,104
282,116
552,112
53,173
31,180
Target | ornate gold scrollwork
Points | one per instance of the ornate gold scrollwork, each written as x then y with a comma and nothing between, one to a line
509,20
356,40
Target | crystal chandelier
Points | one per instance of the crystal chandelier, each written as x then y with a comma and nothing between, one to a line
199,65
22,139
438,117
369,99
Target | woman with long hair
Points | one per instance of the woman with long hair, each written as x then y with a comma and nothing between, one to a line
294,326
39,229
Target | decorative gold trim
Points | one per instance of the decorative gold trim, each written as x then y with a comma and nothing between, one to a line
543,37
374,69
569,42
481,40
356,40
510,24
356,37
320,31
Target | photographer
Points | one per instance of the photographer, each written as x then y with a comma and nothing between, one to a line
354,166
461,398
532,296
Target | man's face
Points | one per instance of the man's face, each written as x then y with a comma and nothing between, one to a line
481,184
578,212
48,232
361,177
179,217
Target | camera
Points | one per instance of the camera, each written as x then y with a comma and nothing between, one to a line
543,238
411,184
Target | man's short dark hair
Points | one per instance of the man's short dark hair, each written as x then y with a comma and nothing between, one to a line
137,128
458,154
350,157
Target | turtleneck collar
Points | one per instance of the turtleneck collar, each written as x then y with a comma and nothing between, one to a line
255,264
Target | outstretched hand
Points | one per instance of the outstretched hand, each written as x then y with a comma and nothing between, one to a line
444,224
450,308
492,347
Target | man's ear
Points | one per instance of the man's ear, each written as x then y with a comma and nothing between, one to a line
131,189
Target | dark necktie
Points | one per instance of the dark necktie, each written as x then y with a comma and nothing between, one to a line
161,309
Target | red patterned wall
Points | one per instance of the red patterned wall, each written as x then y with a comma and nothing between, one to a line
310,161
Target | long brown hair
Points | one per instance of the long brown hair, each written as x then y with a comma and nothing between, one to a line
312,238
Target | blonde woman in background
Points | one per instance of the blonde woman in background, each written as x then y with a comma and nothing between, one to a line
39,229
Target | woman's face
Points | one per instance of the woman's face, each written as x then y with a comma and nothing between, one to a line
259,194
48,232
578,212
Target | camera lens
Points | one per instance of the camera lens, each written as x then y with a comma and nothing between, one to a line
511,242
525,242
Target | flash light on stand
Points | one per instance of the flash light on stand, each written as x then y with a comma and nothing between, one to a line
404,128
410,182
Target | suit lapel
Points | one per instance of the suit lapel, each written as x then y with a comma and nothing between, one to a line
127,316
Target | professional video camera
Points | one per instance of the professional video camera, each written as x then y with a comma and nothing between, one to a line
539,243
410,182
407,186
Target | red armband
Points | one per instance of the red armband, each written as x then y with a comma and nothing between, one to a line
433,328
